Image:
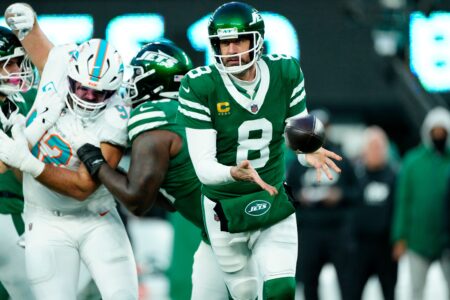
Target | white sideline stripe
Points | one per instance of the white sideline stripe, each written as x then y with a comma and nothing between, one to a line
298,88
144,127
298,99
194,105
147,115
194,115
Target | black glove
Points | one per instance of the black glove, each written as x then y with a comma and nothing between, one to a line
91,157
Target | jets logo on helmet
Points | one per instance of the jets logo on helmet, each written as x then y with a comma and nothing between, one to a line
236,20
16,70
155,72
95,74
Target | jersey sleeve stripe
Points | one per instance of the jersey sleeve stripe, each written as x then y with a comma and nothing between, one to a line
147,115
144,127
194,105
298,99
298,88
194,115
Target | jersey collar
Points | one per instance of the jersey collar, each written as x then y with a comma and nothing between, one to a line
252,106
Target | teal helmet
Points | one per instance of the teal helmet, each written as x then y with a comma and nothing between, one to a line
22,79
155,72
236,20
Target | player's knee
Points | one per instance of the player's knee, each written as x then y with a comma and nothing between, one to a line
244,288
230,259
279,289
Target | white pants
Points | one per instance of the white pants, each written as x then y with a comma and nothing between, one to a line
207,278
264,254
12,261
56,244
419,267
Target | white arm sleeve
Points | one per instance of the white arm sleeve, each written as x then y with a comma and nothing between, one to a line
301,157
202,150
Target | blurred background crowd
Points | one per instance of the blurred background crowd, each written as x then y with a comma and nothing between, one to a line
378,76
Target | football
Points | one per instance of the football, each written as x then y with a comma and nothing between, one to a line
305,134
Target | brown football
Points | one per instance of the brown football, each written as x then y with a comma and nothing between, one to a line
305,134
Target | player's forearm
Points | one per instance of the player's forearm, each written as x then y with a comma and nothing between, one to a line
202,150
136,196
38,46
67,182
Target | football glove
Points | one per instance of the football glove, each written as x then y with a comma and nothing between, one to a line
9,115
20,17
91,157
15,153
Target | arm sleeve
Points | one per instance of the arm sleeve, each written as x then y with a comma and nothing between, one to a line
297,101
202,150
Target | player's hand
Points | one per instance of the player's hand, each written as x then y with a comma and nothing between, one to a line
245,172
20,17
15,153
11,118
322,161
91,157
398,250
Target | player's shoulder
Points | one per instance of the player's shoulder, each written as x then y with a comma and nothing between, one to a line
63,52
199,81
116,113
152,115
287,66
149,111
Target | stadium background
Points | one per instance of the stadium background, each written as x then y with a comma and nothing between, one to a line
356,54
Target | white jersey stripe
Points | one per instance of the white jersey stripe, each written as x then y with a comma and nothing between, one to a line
144,127
194,115
298,88
194,105
298,99
147,115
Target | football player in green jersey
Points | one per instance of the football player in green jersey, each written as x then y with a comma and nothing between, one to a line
16,98
160,163
235,112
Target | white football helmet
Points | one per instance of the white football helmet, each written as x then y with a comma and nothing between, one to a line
13,79
95,74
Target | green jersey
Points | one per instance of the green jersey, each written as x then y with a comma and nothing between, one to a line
11,196
249,126
180,185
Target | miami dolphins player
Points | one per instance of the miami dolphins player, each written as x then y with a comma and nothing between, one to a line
70,217
16,98
235,112
160,161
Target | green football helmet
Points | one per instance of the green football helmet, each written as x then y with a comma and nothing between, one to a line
10,48
155,72
235,20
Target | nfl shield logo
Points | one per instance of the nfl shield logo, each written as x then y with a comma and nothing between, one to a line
254,108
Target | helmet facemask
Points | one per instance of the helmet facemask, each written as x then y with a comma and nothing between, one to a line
85,102
20,81
132,77
254,51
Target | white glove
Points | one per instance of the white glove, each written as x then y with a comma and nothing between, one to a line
15,153
20,17
47,111
11,119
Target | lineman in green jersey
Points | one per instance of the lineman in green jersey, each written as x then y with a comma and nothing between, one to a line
235,113
16,98
160,163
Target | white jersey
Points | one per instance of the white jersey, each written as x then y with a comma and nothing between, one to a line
57,144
